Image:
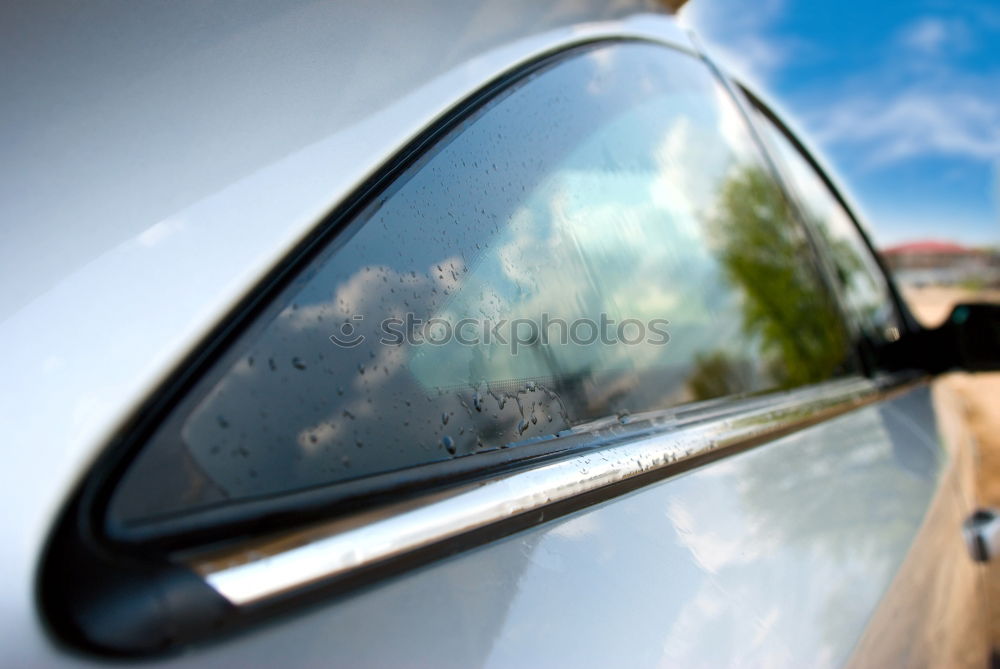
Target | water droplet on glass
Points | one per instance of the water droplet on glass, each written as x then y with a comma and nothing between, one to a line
298,364
444,418
449,444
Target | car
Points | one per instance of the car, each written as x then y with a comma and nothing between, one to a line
456,334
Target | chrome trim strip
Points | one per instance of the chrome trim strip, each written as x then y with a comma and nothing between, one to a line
276,566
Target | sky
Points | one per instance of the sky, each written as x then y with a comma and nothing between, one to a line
902,99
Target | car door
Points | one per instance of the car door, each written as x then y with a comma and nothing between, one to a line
570,384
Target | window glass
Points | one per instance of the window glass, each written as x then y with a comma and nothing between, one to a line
863,285
603,239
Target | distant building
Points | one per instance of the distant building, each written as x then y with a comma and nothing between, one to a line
931,262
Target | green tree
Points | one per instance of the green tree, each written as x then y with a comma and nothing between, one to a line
786,304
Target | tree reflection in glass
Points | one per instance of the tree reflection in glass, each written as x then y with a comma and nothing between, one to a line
786,306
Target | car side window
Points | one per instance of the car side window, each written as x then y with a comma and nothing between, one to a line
601,239
865,290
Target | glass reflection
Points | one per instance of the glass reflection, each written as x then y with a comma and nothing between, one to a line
864,288
618,184
786,308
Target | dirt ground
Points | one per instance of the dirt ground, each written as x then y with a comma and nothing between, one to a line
981,395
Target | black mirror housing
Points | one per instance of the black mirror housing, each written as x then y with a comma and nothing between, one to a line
969,341
975,328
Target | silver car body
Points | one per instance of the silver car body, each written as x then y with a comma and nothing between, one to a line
159,160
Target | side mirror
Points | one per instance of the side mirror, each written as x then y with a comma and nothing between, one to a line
968,341
975,329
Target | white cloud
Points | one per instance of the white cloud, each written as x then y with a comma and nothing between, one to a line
936,115
915,102
913,123
931,35
913,98
925,35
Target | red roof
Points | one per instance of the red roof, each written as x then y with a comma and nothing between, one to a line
928,246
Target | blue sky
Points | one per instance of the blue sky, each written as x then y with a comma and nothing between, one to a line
901,97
